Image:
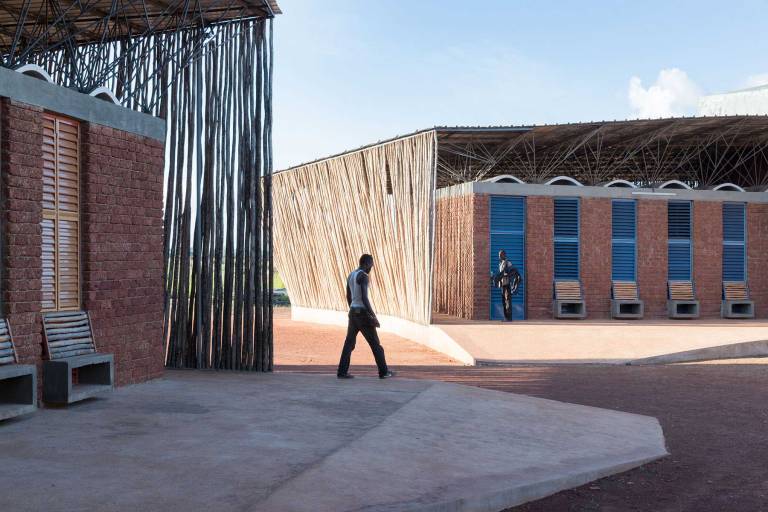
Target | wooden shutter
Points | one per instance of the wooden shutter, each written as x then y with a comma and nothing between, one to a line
61,214
566,238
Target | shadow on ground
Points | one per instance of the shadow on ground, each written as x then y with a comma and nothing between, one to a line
714,416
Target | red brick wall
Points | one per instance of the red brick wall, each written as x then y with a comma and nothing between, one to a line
757,256
708,256
121,240
539,256
481,257
123,248
453,268
595,245
22,178
652,256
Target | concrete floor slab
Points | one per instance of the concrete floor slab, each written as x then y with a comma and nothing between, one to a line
611,342
285,442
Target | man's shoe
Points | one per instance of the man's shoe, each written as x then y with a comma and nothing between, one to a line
387,375
345,376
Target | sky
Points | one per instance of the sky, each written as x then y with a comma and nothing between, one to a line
351,72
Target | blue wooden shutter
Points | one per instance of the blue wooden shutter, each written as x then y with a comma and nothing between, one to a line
508,234
734,242
566,238
624,240
679,241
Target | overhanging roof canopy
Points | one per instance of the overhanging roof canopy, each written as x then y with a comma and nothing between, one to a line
699,151
90,21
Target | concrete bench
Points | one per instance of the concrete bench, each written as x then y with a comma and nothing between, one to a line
569,301
18,382
736,301
625,301
682,303
74,370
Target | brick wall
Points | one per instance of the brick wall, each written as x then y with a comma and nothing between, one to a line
481,257
453,268
757,256
652,256
123,248
121,240
595,245
22,178
708,256
460,273
539,256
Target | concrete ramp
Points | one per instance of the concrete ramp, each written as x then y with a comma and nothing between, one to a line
732,351
605,342
296,443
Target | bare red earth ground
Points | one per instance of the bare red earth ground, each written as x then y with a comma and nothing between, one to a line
714,416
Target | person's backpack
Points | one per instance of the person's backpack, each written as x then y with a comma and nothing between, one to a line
514,280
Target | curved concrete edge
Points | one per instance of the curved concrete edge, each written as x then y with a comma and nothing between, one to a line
732,351
428,335
504,499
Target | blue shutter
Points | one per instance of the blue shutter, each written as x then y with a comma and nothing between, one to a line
566,238
679,241
508,233
734,242
624,240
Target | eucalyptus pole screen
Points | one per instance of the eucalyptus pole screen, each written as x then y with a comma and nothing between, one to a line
218,223
376,200
206,67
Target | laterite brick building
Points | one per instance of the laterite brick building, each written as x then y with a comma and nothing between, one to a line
636,219
82,185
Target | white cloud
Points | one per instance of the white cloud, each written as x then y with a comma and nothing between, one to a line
673,94
757,80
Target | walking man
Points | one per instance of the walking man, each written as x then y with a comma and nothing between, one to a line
362,319
508,279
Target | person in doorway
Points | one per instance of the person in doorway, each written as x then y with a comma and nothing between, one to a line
508,279
362,319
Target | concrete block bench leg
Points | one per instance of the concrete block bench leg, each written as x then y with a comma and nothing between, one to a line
627,309
573,309
18,390
95,376
738,309
683,309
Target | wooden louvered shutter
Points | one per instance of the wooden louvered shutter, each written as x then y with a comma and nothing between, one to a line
61,214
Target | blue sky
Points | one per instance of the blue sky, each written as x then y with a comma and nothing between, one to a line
350,72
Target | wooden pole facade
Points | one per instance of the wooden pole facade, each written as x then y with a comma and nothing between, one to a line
377,200
218,209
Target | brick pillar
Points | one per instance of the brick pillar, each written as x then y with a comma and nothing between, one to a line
22,169
757,256
595,255
122,237
481,236
652,256
539,256
708,256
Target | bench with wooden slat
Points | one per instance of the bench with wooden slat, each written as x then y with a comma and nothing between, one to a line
736,300
625,290
567,290
625,301
569,301
18,382
71,345
735,290
681,290
682,303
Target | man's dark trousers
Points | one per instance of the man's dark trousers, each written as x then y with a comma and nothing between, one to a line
506,298
361,321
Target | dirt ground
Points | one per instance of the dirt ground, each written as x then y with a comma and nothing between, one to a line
714,416
303,343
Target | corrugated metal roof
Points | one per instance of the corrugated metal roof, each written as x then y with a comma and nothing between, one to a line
685,129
